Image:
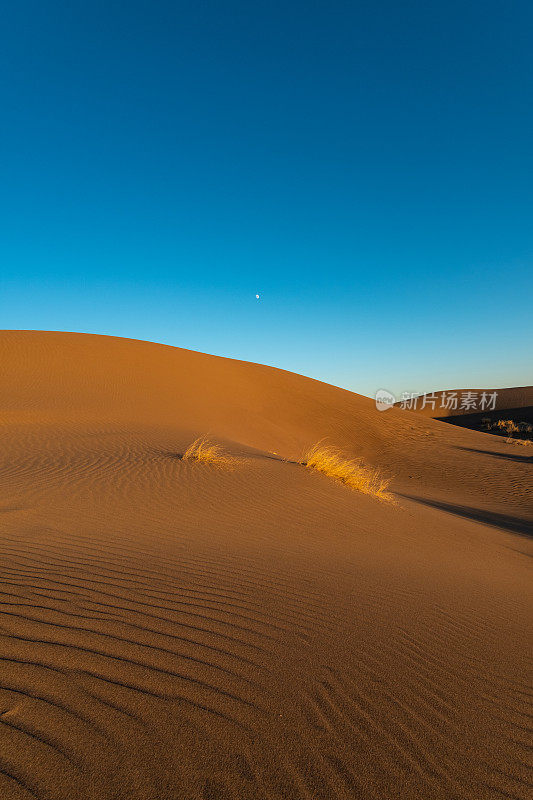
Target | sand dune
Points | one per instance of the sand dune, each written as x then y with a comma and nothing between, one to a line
477,409
509,399
172,630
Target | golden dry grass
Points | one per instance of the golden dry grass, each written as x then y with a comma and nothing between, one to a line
511,427
352,472
205,452
508,425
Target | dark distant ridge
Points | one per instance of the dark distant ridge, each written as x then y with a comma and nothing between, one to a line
476,409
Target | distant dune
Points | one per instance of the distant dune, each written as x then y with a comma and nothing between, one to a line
170,630
474,408
460,402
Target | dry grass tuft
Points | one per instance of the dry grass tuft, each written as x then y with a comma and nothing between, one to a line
203,451
521,429
352,472
507,425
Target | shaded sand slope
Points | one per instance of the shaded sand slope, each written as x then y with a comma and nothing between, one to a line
170,630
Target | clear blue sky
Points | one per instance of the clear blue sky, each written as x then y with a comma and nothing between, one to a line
366,167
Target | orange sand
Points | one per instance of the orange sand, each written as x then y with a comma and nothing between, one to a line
172,630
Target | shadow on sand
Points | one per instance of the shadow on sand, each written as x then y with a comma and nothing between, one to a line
507,522
521,459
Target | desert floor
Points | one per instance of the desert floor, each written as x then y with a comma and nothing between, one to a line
169,629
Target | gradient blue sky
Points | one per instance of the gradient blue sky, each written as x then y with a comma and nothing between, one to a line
367,168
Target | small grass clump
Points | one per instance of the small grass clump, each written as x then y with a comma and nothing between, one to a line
523,430
205,452
508,425
352,472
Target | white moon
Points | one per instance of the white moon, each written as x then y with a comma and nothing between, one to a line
257,297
